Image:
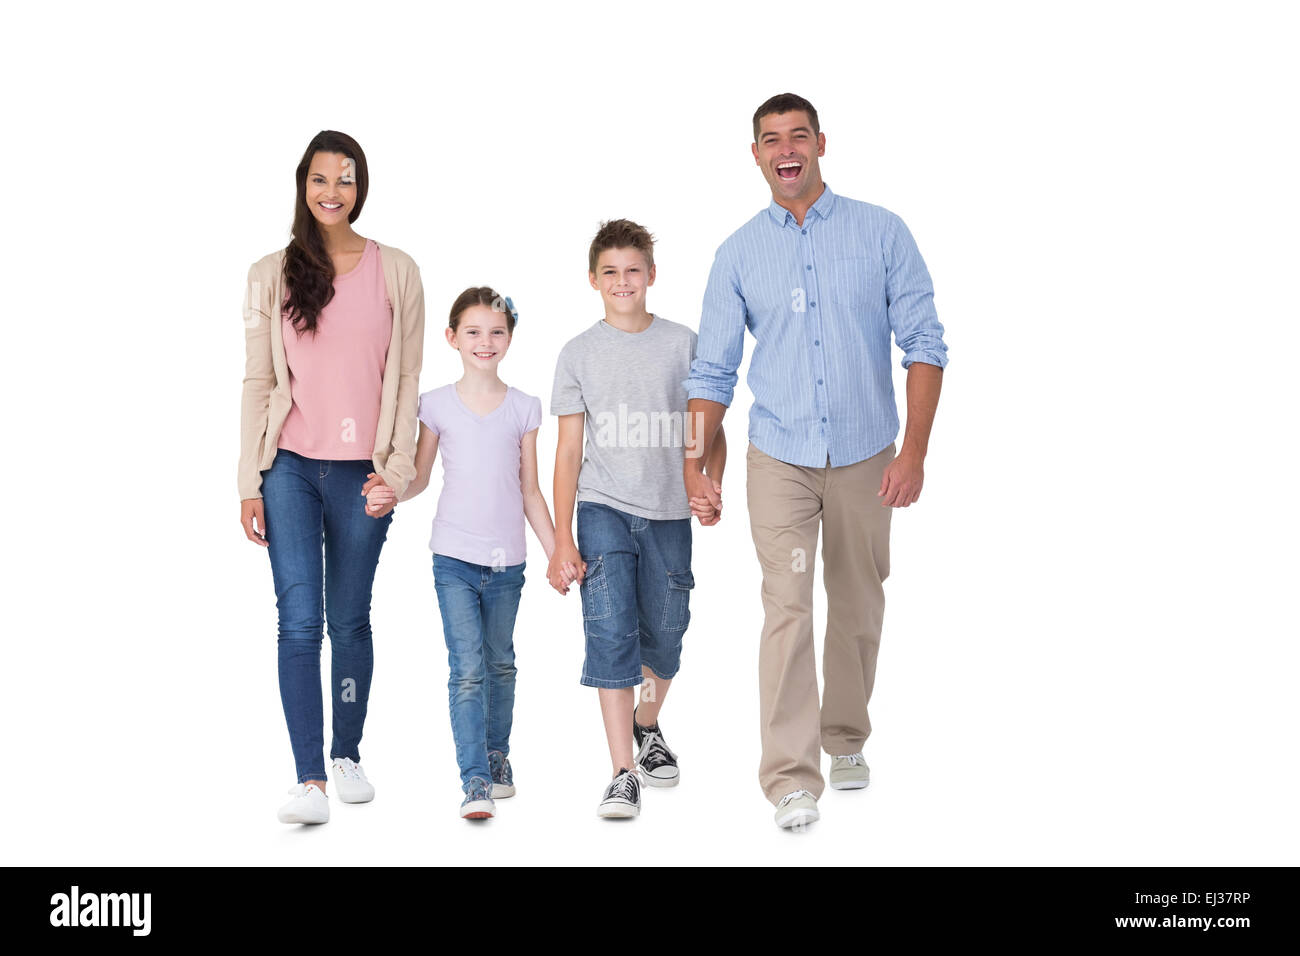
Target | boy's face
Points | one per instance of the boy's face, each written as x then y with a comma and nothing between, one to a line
787,153
621,278
481,337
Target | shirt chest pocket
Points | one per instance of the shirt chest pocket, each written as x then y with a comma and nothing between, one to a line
851,282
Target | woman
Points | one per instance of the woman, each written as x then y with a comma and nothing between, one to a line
334,332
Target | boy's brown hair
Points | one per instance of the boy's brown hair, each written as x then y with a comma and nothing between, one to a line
786,103
621,234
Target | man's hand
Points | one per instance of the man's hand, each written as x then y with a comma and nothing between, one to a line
705,496
566,567
380,498
900,485
253,517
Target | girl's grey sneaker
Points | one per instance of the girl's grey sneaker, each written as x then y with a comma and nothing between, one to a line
350,781
622,796
309,805
850,772
796,810
477,804
656,762
503,781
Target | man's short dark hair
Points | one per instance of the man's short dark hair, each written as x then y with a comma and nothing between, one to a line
786,103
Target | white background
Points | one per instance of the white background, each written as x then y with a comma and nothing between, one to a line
1089,653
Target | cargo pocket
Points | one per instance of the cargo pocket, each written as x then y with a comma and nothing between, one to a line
677,603
595,591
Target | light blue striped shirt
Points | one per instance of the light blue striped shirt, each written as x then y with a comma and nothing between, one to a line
821,301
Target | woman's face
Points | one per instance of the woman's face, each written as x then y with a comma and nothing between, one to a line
331,188
481,337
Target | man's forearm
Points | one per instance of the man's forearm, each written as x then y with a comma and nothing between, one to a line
923,385
703,419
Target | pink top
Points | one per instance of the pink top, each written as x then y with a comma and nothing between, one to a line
336,377
481,509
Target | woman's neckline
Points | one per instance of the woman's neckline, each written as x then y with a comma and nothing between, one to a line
365,251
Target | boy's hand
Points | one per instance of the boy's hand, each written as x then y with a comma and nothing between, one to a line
565,568
380,498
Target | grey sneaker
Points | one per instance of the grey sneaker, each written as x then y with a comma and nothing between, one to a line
503,781
477,804
849,772
796,810
622,796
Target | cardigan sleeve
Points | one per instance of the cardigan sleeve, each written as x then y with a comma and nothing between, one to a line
259,379
399,469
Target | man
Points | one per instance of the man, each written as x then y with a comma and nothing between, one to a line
820,281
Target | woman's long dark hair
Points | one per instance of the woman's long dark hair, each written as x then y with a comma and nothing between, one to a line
308,270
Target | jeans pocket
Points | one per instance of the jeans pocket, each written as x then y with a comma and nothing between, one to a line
677,602
595,591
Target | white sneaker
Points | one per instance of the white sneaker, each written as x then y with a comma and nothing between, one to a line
309,805
796,810
350,779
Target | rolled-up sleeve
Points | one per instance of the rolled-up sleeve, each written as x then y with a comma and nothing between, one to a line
721,343
909,296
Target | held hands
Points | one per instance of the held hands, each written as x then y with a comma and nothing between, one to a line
705,496
565,568
380,499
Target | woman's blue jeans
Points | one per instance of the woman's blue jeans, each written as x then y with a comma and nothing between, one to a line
324,549
478,605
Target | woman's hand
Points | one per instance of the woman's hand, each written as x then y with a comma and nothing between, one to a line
253,517
380,499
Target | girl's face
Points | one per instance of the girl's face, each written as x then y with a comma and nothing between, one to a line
481,337
331,188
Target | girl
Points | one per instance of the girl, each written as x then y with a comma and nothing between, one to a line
334,334
487,432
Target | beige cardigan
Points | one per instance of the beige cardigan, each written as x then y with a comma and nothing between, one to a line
267,401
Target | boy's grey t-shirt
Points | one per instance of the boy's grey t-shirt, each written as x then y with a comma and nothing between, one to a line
630,384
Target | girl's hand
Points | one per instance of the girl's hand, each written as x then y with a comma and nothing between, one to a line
380,499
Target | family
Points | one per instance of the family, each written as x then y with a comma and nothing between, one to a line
335,433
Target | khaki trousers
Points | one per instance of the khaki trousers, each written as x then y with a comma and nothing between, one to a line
786,505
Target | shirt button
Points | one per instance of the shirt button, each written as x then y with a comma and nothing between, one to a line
812,305
803,232
809,268
817,341
819,381
823,418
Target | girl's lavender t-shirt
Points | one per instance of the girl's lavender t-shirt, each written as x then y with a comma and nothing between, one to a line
480,515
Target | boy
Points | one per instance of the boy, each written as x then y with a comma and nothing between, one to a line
623,379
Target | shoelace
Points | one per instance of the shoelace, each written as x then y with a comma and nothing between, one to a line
300,790
854,759
656,751
623,786
350,770
792,796
477,792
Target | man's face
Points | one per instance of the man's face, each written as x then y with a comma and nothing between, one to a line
786,152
